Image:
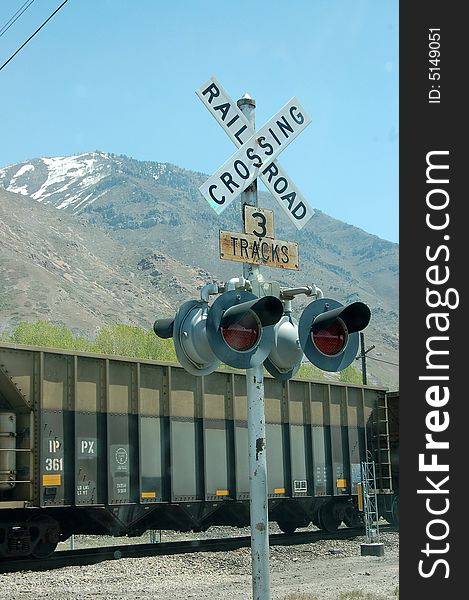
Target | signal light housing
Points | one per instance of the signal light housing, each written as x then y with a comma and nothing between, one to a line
328,332
330,338
188,330
285,357
239,327
163,328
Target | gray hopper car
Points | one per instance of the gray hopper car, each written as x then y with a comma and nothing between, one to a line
92,444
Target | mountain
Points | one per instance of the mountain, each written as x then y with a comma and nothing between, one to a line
143,225
56,266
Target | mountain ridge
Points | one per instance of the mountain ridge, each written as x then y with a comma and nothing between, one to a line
152,215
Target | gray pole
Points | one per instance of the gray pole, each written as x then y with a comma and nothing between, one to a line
256,431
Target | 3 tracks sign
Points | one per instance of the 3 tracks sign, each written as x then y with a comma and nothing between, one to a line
257,245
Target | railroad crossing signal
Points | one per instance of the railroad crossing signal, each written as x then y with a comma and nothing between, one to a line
257,154
236,329
244,331
239,327
328,332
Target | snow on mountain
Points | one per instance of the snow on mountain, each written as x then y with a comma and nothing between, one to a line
63,181
76,182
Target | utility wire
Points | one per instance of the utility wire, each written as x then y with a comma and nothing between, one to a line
383,361
31,36
365,355
12,20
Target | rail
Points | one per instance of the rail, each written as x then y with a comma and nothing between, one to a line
89,556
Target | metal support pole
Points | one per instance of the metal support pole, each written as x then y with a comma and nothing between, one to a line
258,485
256,433
249,196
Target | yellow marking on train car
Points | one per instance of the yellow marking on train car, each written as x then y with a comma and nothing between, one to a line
341,483
222,492
148,494
55,479
279,490
360,496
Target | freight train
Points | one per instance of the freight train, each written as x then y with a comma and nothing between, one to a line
92,444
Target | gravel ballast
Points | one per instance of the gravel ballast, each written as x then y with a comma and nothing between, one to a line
325,569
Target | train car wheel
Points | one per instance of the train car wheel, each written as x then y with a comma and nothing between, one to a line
352,517
329,518
287,527
316,520
43,549
44,536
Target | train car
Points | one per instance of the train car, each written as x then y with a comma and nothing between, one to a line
92,444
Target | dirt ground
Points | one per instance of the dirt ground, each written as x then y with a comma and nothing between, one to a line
324,569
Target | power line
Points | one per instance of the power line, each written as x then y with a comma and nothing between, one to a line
31,36
377,359
12,20
364,355
383,361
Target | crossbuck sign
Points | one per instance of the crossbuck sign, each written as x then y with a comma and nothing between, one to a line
257,154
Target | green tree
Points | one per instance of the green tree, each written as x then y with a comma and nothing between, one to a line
159,349
309,371
83,345
46,334
118,340
351,375
134,342
121,340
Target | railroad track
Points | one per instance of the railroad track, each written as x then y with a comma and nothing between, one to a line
89,556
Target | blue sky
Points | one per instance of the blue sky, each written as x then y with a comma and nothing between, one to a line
119,76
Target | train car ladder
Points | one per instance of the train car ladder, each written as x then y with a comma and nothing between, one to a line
370,501
380,446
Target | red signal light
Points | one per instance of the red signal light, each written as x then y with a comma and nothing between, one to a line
243,334
331,338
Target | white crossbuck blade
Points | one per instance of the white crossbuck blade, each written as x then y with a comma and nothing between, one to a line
256,155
